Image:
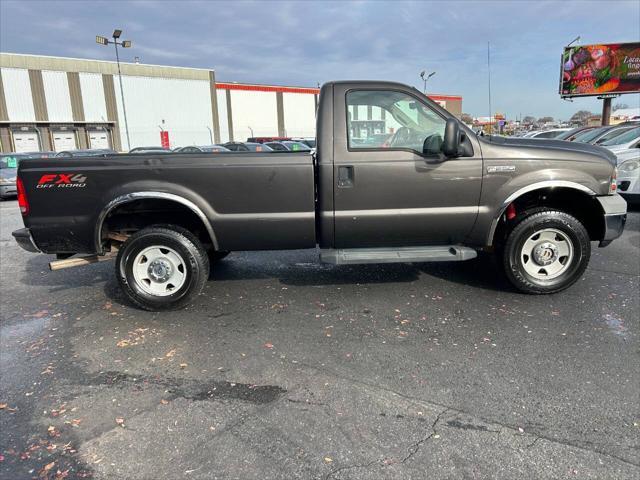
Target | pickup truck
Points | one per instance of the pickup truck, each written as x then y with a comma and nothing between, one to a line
412,185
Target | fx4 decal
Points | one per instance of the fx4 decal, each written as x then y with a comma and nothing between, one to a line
62,180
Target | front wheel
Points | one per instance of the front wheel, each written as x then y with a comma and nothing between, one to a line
546,252
162,268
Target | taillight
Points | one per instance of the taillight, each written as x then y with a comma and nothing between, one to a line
22,198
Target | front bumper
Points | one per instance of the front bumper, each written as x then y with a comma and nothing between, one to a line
615,217
25,240
8,190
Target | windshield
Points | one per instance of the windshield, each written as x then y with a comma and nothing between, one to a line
589,135
9,161
625,137
611,134
297,146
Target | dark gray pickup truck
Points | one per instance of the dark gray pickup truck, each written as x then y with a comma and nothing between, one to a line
411,184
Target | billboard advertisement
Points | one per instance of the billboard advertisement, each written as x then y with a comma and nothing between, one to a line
600,69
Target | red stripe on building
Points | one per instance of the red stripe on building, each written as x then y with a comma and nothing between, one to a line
266,88
444,97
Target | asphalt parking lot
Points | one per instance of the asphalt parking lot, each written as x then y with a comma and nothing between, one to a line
285,368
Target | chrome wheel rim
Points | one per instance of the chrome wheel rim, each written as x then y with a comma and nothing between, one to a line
159,271
547,254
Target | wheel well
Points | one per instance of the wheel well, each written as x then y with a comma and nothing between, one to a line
137,214
578,204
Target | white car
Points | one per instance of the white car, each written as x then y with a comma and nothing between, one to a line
553,133
629,175
624,141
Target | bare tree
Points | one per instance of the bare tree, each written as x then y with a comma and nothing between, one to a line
581,117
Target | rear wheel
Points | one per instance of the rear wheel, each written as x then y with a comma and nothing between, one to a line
162,268
546,252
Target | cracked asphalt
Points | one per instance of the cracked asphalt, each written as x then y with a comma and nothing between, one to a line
288,369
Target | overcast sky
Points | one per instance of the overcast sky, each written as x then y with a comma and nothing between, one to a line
303,43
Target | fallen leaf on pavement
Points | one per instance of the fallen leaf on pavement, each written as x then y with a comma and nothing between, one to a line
120,421
170,353
268,345
328,459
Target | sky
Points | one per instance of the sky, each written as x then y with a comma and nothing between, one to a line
307,42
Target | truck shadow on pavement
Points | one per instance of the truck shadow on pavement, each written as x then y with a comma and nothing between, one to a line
481,272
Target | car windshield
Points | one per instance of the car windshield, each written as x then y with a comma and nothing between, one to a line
258,147
626,137
572,133
297,146
611,134
589,135
9,161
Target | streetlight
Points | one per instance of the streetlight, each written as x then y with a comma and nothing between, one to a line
425,78
124,44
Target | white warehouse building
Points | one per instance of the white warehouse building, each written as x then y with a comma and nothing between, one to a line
54,103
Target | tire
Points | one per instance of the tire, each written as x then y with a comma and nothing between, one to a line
178,268
546,252
216,256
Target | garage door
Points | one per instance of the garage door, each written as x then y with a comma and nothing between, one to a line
98,140
64,141
26,142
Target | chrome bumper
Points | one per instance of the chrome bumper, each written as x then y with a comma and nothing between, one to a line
25,240
615,217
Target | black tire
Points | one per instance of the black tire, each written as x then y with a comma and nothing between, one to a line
526,228
215,256
194,266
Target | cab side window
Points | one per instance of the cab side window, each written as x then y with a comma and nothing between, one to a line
387,119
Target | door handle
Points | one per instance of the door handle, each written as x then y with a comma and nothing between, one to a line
345,176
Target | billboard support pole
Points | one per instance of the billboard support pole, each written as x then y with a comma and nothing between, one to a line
606,110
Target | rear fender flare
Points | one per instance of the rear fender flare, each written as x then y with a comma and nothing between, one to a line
130,197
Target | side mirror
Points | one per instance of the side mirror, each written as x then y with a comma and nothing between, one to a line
451,138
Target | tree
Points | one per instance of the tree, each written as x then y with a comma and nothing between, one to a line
466,118
529,120
620,106
545,119
581,117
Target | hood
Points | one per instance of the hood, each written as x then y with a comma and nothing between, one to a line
557,146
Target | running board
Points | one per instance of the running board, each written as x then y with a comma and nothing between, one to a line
352,256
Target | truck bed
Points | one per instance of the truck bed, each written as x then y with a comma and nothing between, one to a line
252,201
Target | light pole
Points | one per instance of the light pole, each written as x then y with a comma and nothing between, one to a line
124,44
425,77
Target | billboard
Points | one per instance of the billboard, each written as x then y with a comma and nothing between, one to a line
600,69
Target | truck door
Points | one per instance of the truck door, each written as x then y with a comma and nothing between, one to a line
393,187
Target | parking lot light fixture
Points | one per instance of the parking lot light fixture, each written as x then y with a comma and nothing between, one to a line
117,33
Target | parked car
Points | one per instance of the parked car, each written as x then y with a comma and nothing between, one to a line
611,134
593,135
9,169
288,146
552,133
95,152
629,175
571,134
202,149
152,149
267,139
628,139
247,147
308,141
436,192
